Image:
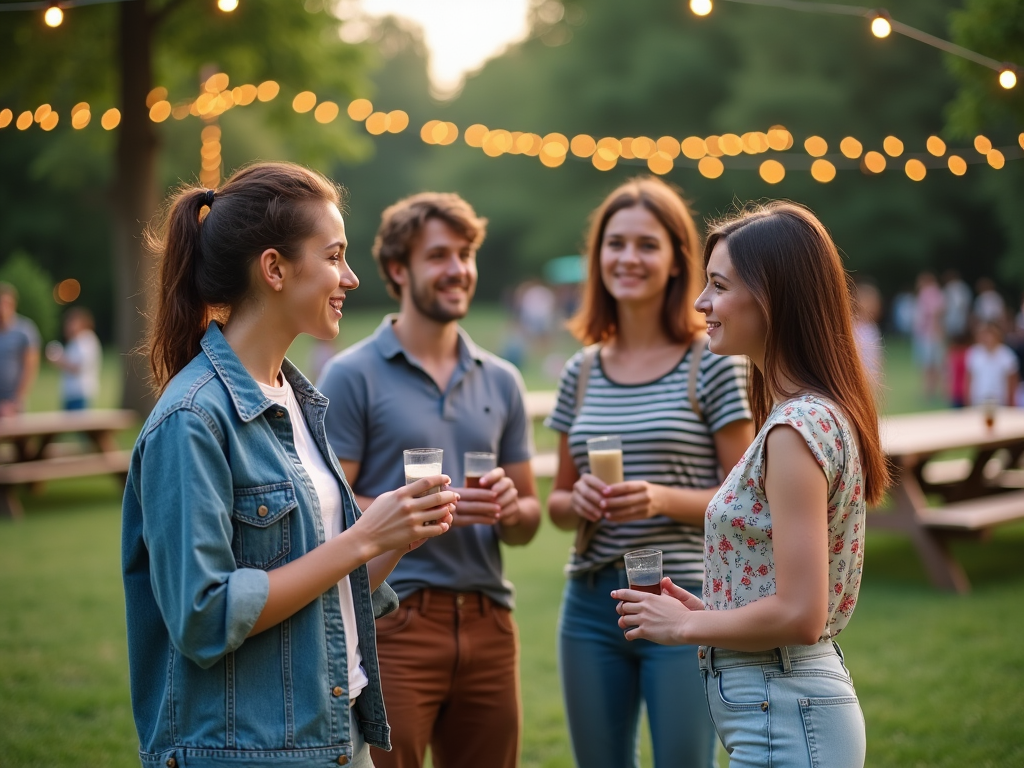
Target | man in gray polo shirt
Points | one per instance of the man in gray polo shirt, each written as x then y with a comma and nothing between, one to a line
449,655
19,353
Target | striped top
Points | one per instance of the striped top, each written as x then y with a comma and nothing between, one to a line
663,442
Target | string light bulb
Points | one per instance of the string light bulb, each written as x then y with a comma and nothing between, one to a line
227,5
881,24
701,7
53,16
1007,77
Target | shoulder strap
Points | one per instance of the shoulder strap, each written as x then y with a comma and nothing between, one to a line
583,377
697,348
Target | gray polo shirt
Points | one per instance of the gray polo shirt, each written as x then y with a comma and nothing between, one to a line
383,401
14,343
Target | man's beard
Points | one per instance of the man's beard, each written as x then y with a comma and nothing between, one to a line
433,308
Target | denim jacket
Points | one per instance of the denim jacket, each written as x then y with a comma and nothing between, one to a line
216,497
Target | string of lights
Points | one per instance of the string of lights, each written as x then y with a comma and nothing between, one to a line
710,155
53,10
882,25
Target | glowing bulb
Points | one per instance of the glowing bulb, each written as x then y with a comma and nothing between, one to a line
227,5
880,25
700,7
1007,78
53,16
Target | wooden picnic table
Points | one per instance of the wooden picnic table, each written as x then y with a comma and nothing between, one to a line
31,458
979,493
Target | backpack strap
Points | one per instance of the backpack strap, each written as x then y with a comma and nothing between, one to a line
697,348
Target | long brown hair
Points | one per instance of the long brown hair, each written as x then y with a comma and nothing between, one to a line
205,260
597,318
786,258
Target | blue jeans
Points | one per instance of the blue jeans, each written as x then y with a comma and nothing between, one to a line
792,707
605,677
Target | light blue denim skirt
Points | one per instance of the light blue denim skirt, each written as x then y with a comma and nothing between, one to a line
790,707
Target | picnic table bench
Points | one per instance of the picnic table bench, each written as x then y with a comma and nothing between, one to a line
31,457
979,493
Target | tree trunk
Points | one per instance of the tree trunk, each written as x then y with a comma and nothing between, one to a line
134,201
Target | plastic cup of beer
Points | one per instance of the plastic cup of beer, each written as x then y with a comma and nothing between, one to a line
988,410
643,570
476,464
420,463
605,456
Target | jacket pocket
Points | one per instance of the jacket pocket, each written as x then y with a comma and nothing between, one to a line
262,535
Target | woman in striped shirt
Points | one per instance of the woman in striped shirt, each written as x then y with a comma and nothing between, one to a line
678,442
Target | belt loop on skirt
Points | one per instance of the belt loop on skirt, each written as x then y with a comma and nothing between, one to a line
424,601
787,665
485,604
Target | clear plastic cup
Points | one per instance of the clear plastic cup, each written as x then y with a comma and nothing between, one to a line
643,570
476,464
605,456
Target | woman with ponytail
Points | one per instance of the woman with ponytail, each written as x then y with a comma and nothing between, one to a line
784,536
252,581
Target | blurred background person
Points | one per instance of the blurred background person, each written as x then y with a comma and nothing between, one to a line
992,372
19,353
958,304
902,314
989,306
80,360
929,348
684,421
956,369
867,308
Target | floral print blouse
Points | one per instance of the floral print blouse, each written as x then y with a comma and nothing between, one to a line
738,557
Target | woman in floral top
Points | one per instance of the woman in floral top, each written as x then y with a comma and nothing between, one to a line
784,539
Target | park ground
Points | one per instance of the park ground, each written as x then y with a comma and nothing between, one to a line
939,675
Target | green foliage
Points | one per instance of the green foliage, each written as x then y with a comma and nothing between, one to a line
993,28
35,292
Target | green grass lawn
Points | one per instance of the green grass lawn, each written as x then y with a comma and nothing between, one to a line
916,654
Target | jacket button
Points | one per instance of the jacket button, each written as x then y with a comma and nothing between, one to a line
279,414
262,510
337,691
172,763
342,760
764,706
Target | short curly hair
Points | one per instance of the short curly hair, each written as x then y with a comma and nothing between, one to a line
401,224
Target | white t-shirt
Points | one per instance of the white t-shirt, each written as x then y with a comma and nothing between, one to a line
990,370
329,494
83,352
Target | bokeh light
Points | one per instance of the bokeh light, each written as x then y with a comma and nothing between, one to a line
160,111
398,120
5,117
731,144
49,122
24,121
915,169
936,146
41,112
360,109
157,94
643,147
982,144
244,94
994,157
815,146
779,138
111,119
710,167
1008,78
216,83
713,147
304,101
660,163
701,7
604,159
67,291
874,161
626,144
823,171
694,147
210,133
893,147
267,90
851,148
772,171
227,5
880,26
474,135
957,165
609,144
326,111
53,16
583,145
378,123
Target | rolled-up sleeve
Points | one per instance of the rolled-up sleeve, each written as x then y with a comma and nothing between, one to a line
207,602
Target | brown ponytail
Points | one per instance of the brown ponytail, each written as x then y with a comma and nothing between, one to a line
205,260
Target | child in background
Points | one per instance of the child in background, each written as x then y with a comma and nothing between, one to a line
867,309
992,373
